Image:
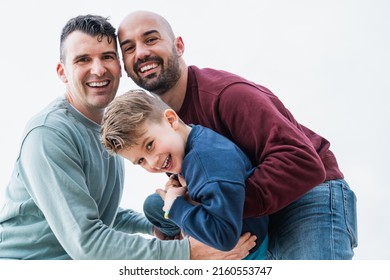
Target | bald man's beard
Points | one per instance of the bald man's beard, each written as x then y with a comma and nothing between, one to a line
163,82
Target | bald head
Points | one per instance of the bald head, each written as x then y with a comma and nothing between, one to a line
139,19
152,55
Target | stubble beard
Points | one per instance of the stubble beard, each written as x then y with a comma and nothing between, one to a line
167,79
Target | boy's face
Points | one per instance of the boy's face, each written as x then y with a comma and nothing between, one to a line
160,149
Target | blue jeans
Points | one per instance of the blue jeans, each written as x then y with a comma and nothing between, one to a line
153,205
320,225
153,211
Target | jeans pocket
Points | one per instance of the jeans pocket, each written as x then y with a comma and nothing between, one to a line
350,214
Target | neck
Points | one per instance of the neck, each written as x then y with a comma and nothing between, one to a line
175,96
185,131
96,117
94,114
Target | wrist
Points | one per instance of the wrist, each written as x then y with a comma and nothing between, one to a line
168,202
166,214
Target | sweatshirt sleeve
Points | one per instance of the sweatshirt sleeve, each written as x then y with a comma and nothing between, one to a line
217,220
130,221
54,178
287,163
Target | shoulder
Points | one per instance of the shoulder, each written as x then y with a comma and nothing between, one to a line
214,77
205,139
214,150
213,158
58,119
52,115
220,83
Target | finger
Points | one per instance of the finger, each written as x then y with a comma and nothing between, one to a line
246,242
246,238
182,181
172,182
172,175
161,193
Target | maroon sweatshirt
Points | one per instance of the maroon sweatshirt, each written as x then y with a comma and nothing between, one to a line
290,158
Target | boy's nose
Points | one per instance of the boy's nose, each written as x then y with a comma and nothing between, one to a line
154,163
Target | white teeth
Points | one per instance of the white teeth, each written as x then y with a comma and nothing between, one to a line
166,162
98,84
148,67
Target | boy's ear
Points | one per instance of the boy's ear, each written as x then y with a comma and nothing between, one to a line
171,117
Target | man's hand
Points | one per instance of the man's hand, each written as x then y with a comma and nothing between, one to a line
157,233
200,251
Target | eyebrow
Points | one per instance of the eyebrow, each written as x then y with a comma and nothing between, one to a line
143,35
110,52
88,55
142,145
77,57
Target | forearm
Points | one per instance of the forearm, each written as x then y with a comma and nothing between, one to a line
130,221
276,184
286,160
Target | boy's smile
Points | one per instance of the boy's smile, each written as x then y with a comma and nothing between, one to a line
160,149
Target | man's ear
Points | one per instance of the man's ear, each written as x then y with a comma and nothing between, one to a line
179,44
172,118
61,72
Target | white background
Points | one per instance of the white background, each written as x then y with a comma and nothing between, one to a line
328,61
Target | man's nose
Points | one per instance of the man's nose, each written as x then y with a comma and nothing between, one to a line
98,68
142,51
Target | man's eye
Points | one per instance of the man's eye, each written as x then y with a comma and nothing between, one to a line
109,57
150,41
82,60
128,48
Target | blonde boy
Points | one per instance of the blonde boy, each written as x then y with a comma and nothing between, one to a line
143,129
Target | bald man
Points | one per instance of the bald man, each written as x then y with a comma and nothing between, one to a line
297,181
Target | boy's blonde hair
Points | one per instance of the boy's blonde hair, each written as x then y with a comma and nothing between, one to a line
125,116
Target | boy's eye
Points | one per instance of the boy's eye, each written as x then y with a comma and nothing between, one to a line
149,146
140,161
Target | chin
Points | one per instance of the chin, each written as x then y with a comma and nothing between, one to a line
103,102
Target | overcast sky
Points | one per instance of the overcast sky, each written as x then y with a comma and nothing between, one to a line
328,61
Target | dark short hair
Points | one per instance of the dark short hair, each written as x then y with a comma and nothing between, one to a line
92,25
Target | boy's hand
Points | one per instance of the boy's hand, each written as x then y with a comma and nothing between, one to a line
170,194
175,186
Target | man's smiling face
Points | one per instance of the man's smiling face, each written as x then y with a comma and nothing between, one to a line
149,53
